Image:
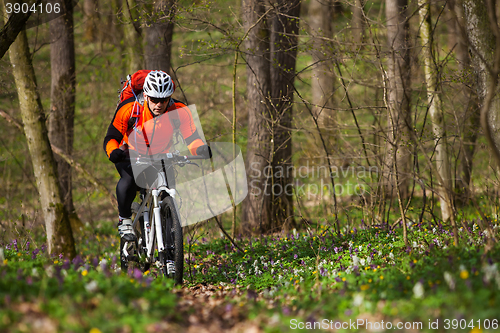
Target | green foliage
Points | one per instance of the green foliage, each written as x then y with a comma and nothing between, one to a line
364,272
304,275
77,296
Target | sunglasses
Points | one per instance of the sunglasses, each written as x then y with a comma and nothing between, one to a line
158,100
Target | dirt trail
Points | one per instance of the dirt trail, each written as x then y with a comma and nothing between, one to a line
205,309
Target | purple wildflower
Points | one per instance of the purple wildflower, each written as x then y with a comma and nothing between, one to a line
286,311
66,264
137,274
77,262
148,281
34,253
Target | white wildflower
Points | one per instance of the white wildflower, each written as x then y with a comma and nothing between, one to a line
50,271
490,271
34,272
91,287
355,260
368,260
357,300
418,290
362,262
449,280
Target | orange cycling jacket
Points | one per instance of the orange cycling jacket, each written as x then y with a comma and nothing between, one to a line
132,115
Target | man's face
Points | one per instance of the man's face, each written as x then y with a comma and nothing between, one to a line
157,105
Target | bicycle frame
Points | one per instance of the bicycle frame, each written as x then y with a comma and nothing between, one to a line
152,203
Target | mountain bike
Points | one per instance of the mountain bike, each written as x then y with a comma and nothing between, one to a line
157,224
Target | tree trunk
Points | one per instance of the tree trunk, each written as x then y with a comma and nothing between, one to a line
321,13
132,36
435,106
398,99
358,23
91,19
484,57
257,206
284,55
469,117
57,225
158,36
62,111
12,27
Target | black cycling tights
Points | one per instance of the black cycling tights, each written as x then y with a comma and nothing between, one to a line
126,189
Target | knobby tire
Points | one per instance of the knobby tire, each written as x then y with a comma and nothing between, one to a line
172,240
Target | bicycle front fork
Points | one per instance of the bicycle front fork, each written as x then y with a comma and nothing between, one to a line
157,216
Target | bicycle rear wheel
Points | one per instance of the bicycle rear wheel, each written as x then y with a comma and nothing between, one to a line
173,256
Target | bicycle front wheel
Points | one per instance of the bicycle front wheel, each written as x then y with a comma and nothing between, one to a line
172,259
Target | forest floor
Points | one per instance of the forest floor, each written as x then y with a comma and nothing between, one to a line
364,279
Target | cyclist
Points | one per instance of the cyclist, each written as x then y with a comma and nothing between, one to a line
131,114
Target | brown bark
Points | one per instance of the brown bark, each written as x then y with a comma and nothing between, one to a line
321,13
269,206
256,207
358,23
482,43
62,111
284,56
91,19
57,225
470,114
158,36
132,36
398,98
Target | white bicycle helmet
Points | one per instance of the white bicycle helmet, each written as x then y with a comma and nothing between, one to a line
158,84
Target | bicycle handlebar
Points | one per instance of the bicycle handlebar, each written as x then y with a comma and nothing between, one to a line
169,157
